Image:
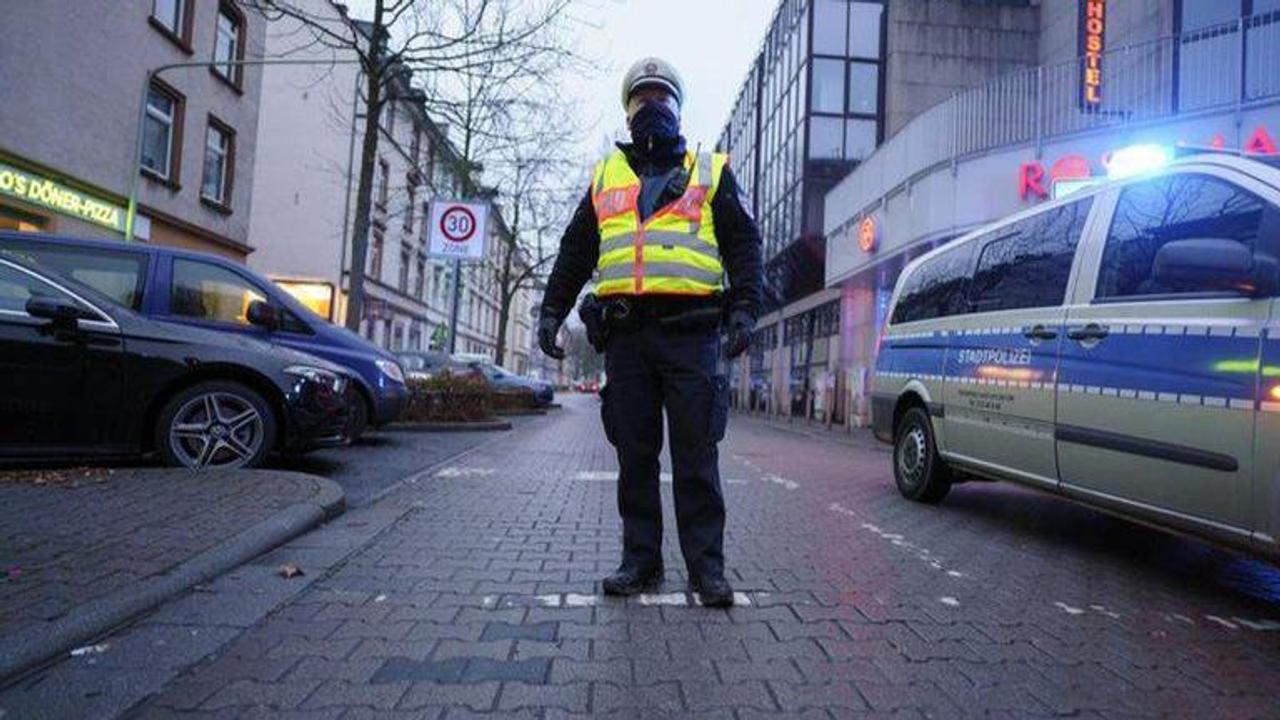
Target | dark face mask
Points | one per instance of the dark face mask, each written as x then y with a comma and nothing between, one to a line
654,121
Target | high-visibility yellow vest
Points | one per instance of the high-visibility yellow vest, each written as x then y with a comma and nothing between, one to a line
674,252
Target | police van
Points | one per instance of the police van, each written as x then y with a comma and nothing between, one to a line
1119,346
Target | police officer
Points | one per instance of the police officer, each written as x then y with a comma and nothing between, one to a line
659,226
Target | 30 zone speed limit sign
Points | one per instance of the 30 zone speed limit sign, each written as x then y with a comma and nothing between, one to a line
458,230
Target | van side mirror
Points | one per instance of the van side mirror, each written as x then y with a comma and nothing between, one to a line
261,313
1215,264
60,311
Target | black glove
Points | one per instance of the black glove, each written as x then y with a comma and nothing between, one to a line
548,330
740,327
591,312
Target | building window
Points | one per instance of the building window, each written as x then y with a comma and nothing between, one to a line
411,207
173,18
420,279
228,44
403,283
864,30
864,88
825,138
162,133
375,254
859,139
828,86
830,26
384,183
219,164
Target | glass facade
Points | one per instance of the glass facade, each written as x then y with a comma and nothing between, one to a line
809,110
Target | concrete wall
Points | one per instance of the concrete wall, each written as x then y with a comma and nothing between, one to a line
938,47
300,189
72,83
1128,22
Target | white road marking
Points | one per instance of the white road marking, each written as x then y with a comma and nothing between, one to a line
1102,609
461,472
1224,623
779,480
897,540
663,599
1261,625
612,476
675,599
90,650
949,601
1068,609
380,598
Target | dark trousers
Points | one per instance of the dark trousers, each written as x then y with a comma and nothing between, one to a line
650,368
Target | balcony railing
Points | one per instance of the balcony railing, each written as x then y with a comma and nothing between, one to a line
1235,64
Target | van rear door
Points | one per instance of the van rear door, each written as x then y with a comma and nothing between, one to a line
1158,384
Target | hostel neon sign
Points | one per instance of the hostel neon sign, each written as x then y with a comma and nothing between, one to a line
54,195
1093,29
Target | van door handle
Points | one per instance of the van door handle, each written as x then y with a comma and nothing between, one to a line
1092,332
1039,332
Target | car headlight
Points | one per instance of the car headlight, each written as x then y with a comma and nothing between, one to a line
391,370
320,376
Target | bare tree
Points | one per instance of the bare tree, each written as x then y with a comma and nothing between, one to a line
430,39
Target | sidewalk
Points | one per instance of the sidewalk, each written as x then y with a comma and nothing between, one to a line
84,551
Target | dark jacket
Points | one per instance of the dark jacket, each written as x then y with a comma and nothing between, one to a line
736,232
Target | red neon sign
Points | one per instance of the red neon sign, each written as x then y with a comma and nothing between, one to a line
1093,28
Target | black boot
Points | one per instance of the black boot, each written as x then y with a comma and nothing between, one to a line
630,580
713,591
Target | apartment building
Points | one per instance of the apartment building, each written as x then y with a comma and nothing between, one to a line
88,117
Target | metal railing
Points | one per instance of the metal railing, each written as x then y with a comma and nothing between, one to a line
1230,65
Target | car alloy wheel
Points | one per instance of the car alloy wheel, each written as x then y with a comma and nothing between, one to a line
216,430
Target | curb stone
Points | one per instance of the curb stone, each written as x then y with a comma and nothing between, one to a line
37,646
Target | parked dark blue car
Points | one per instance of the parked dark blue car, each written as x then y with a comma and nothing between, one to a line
207,291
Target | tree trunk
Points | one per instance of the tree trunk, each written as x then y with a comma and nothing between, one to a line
364,188
506,294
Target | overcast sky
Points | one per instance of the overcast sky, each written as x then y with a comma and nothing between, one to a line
711,42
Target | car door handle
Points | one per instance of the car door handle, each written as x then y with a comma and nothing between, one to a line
1039,332
1091,332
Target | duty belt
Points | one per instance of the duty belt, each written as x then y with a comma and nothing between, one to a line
628,312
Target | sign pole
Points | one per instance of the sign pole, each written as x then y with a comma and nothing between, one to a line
453,312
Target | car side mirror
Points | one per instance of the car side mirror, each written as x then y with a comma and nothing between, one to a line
261,313
60,311
1215,264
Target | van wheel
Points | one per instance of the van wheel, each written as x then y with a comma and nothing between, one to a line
921,475
358,421
219,424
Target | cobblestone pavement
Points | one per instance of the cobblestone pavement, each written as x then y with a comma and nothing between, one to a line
478,595
64,545
382,458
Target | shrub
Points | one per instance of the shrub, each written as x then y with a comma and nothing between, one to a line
514,399
449,398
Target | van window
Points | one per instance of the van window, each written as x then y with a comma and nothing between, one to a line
1180,207
207,292
117,274
1028,263
936,288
